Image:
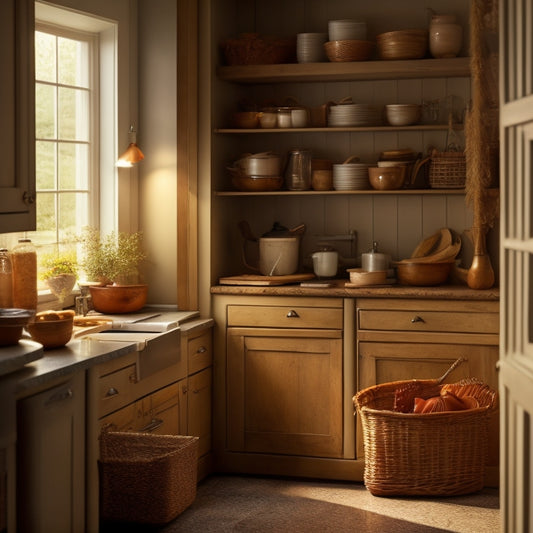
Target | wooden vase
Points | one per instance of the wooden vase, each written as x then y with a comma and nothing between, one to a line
480,274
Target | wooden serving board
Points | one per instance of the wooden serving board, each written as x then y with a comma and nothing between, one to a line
254,279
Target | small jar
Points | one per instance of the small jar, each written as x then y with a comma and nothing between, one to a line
24,261
445,36
284,117
6,280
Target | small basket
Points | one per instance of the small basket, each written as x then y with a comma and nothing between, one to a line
254,49
145,478
447,170
349,50
434,454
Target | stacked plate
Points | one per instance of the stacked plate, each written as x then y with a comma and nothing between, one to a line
310,47
353,115
346,30
351,176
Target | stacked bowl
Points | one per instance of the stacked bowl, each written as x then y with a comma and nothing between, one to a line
343,115
402,44
403,114
310,47
347,30
351,176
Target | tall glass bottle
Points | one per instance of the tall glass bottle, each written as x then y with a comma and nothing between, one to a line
24,261
6,280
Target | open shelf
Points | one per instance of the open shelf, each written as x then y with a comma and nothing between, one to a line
418,127
341,193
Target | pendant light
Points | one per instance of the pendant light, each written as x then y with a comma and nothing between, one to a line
133,153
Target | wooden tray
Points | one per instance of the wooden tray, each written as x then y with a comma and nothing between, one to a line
254,279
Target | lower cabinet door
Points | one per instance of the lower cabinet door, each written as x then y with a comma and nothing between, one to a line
284,392
199,398
51,459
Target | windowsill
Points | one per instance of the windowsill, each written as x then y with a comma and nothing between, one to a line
48,302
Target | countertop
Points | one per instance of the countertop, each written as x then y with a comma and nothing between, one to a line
338,290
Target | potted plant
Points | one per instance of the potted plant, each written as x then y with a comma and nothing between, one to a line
112,263
59,271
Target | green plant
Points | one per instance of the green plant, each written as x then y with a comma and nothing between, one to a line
114,258
55,264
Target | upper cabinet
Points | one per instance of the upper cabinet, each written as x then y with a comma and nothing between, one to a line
17,109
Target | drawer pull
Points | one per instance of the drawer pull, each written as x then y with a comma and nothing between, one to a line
154,424
111,392
293,314
417,319
61,396
202,349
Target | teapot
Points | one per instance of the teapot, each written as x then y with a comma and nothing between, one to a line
279,249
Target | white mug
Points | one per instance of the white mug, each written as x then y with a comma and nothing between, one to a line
325,264
299,118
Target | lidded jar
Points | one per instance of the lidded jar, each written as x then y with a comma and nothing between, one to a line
6,280
445,36
298,170
24,261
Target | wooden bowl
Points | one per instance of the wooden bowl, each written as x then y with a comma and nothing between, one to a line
12,322
423,274
52,329
403,44
387,178
362,278
257,183
246,119
349,50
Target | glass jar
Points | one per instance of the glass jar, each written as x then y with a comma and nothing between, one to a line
298,170
24,261
6,280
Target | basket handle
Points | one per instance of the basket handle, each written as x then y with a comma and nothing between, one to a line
451,369
353,158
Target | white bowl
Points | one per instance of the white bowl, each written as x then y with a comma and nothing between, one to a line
403,114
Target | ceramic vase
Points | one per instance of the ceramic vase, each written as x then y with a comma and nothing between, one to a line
445,36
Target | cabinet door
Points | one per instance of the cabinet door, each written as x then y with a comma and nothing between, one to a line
161,411
17,105
199,409
284,392
51,459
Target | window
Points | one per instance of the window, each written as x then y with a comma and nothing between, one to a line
66,135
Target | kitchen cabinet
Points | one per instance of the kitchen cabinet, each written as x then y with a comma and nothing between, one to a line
328,215
197,343
403,339
283,385
17,109
51,458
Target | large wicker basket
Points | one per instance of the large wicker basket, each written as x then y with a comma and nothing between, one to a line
436,454
145,478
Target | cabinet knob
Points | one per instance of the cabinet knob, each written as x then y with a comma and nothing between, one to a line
154,424
417,319
66,394
293,314
111,392
202,349
28,197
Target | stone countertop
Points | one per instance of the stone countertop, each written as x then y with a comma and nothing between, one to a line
338,290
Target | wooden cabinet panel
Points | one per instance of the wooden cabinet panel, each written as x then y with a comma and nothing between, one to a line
200,351
116,389
199,399
323,317
161,412
284,394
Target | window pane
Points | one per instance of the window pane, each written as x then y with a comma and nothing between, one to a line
73,210
45,111
46,219
73,62
45,57
45,165
73,113
73,166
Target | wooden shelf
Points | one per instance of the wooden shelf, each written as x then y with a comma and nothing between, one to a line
350,71
419,127
343,193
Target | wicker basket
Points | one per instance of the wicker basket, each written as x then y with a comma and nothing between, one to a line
436,454
255,49
447,170
145,478
349,50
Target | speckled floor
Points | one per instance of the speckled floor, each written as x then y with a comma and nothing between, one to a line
255,504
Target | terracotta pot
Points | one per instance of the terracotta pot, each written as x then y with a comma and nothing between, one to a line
118,299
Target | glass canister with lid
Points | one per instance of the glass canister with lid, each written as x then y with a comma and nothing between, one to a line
24,261
298,170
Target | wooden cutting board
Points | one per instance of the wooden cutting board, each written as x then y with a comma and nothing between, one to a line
254,279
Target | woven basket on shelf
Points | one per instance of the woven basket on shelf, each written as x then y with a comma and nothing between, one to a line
434,454
349,50
145,478
447,170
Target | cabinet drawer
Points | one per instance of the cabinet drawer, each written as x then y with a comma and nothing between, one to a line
116,389
285,316
425,321
200,352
